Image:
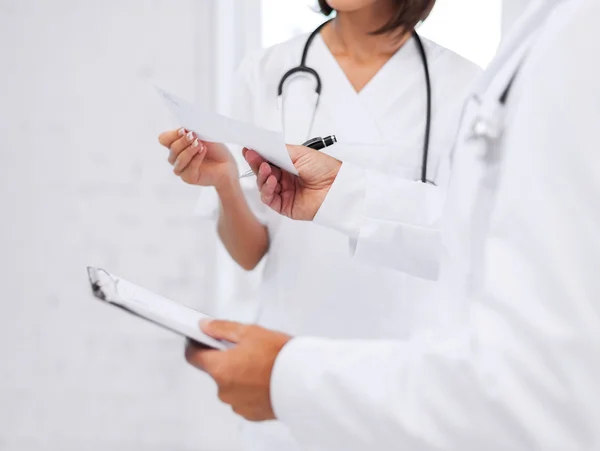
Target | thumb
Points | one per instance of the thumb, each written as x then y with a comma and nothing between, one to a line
222,330
253,159
298,151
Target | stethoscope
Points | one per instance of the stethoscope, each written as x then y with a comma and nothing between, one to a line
303,68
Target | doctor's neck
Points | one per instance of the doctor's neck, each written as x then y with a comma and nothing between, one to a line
351,33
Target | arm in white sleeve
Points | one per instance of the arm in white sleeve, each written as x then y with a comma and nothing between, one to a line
391,221
528,379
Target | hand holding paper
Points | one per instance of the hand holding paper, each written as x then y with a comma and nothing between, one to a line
216,128
298,197
198,162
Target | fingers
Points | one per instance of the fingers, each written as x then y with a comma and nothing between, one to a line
269,190
258,163
223,330
253,159
276,172
200,356
271,194
181,144
185,157
169,137
298,151
264,171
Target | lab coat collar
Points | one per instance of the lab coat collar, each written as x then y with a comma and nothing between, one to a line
480,115
382,92
339,100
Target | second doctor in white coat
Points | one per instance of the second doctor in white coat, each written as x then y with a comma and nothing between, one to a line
522,240
374,100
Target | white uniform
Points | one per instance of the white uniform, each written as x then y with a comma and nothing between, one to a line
311,285
523,254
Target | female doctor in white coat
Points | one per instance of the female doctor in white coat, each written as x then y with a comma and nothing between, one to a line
374,98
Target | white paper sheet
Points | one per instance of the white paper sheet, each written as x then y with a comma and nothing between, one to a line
216,128
148,305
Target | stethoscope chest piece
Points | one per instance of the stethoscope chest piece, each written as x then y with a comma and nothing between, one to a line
485,128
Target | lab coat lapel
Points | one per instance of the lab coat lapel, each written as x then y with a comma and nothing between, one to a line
518,39
492,113
488,88
340,104
383,91
475,158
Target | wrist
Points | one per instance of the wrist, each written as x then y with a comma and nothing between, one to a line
228,187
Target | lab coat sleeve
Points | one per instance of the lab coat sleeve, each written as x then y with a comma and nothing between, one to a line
393,221
527,377
390,221
243,108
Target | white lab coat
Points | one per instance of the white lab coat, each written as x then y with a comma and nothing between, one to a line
522,260
311,284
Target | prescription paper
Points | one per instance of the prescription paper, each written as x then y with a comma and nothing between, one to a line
217,128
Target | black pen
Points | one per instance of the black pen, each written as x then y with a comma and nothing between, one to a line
320,143
315,143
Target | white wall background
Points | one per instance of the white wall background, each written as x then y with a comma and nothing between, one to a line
84,181
453,24
471,28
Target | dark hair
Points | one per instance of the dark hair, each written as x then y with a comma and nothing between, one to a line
408,14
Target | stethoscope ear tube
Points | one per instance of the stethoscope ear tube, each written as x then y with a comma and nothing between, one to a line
303,68
297,70
428,118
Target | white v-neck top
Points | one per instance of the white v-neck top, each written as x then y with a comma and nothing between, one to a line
311,284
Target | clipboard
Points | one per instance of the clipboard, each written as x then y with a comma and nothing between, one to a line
151,307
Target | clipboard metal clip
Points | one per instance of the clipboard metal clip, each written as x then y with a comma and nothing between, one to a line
104,285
